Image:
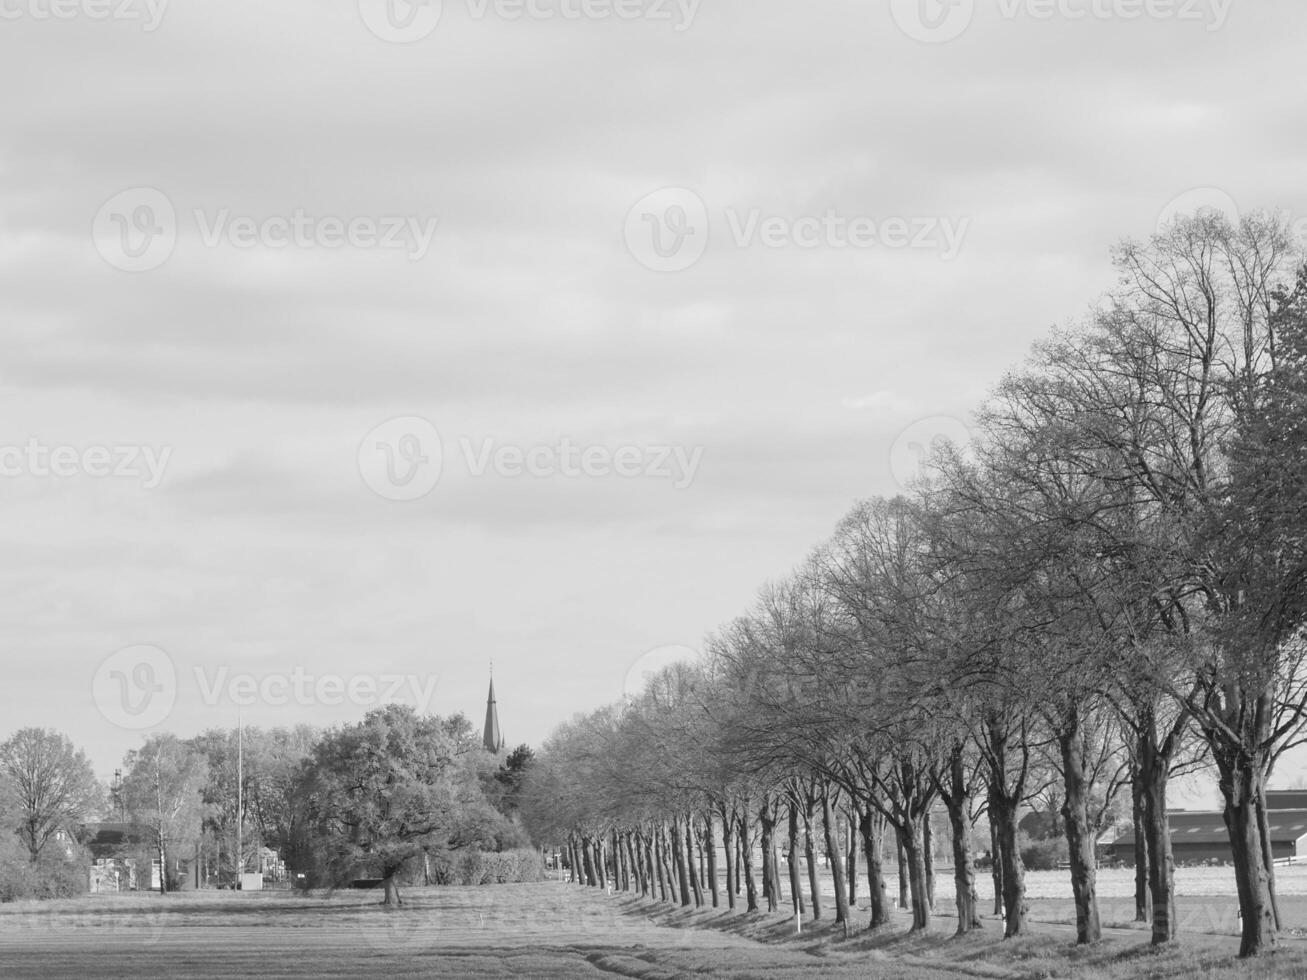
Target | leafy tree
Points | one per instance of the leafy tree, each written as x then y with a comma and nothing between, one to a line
162,791
51,783
383,792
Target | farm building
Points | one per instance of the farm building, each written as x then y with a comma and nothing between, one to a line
1200,837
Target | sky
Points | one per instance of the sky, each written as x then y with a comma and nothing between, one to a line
348,347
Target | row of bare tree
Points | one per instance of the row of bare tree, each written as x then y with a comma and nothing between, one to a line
1105,586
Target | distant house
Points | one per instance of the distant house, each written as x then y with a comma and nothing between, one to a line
1200,836
119,852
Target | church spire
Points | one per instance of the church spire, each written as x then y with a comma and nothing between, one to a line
492,739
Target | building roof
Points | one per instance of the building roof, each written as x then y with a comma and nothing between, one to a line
105,839
1286,799
1208,827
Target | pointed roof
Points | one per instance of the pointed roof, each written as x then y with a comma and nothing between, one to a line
492,739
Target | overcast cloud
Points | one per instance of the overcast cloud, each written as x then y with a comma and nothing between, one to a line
443,230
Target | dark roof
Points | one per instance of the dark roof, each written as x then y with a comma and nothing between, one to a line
104,839
1286,799
1208,827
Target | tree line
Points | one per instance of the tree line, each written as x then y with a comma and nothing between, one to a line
1103,588
396,796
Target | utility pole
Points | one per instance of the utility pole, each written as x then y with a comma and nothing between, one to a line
240,799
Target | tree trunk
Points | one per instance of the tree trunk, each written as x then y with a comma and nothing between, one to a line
587,852
746,864
600,862
695,883
163,866
770,878
836,853
1154,774
654,848
904,899
851,873
928,853
1079,837
392,899
650,868
872,825
728,848
910,839
958,802
796,879
1003,812
1142,904
682,868
710,846
621,879
1268,854
995,866
810,853
1242,776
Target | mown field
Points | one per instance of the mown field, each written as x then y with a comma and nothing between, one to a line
553,930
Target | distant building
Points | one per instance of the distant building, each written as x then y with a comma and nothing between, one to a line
1200,837
492,738
1286,799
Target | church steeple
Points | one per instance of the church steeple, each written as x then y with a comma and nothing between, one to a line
492,739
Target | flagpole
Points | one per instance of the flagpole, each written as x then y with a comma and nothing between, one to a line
240,798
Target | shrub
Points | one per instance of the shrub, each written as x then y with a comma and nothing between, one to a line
51,877
1043,855
498,867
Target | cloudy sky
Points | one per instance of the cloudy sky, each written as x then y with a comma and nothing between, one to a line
347,347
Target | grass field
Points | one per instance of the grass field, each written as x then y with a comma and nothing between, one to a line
547,930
